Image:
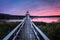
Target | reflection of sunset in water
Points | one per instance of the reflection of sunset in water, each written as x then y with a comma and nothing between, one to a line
48,20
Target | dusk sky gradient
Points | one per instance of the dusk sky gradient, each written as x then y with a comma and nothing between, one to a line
35,7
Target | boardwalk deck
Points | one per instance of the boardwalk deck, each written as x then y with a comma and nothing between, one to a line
26,32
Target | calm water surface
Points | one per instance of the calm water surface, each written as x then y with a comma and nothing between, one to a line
37,20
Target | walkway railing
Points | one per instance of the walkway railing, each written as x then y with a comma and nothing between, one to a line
15,31
39,31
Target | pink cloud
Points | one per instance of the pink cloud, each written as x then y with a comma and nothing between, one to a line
46,11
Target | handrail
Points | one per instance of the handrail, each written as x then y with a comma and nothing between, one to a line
11,33
34,31
18,31
40,32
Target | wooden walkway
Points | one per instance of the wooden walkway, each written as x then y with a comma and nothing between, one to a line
26,32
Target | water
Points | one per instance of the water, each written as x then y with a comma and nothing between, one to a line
47,20
15,20
37,20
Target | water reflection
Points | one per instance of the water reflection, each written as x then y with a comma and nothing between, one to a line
37,20
46,19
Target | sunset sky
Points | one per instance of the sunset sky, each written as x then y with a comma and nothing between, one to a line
35,7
